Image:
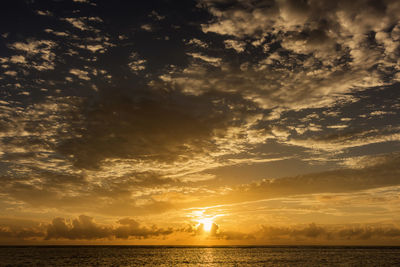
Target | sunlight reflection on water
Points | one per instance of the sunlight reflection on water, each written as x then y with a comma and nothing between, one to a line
199,256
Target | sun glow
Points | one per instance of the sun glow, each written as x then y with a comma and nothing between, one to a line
207,223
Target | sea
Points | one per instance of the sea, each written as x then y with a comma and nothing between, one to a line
198,256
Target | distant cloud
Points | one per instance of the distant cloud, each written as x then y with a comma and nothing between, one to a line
80,73
383,173
211,60
346,139
83,23
39,54
22,234
77,23
44,13
85,228
236,45
137,63
197,42
330,234
11,73
147,27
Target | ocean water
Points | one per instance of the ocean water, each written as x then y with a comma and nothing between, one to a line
198,256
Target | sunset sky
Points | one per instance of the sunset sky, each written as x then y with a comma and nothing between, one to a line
208,122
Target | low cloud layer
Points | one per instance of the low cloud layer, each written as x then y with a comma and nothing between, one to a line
335,234
84,228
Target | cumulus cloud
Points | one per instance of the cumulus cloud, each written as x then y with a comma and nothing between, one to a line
84,227
330,234
22,234
215,232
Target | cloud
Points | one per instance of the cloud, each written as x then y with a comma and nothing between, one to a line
18,59
347,139
23,234
215,232
147,27
330,234
81,74
271,84
149,126
30,131
94,48
12,229
77,23
82,1
211,60
131,228
85,228
197,42
383,173
11,73
323,50
137,64
84,23
361,162
39,54
44,13
236,45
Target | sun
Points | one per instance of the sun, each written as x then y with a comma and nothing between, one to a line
207,223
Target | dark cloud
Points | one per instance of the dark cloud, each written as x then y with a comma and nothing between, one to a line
75,193
150,125
85,228
131,228
19,229
23,234
341,180
309,48
334,234
81,228
382,172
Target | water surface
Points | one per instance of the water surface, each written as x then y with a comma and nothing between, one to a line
198,256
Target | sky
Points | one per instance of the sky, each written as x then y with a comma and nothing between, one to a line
207,122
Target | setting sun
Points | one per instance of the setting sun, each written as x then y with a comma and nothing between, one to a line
207,223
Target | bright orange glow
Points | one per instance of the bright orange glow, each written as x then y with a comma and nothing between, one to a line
207,223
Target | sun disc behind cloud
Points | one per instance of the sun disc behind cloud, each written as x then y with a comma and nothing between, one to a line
207,224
